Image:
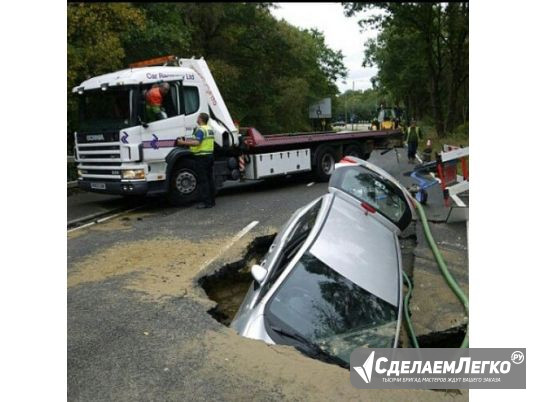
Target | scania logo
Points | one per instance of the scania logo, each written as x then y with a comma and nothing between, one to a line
95,137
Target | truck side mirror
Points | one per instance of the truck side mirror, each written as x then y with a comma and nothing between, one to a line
144,124
258,272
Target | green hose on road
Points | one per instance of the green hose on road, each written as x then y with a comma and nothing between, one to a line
444,271
411,331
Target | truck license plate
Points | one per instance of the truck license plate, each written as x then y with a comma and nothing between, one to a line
98,186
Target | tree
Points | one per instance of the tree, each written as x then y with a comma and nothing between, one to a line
164,33
94,44
422,45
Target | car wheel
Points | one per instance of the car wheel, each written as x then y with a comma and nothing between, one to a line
325,164
184,185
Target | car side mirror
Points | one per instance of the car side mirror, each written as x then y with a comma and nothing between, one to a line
258,272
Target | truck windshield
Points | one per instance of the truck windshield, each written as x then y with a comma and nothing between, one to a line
331,311
105,110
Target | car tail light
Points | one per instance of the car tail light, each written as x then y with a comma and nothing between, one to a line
347,160
368,207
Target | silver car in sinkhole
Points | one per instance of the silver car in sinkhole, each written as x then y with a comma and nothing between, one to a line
332,279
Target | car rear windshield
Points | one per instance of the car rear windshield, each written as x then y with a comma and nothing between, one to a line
370,187
331,311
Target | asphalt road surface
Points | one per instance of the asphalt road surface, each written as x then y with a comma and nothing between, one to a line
138,321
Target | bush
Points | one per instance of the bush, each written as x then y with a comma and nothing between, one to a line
462,130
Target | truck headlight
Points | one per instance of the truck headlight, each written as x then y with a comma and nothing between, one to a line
133,174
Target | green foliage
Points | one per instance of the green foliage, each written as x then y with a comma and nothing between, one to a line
462,130
94,43
422,54
362,104
268,71
164,33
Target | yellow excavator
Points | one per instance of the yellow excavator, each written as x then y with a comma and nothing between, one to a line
389,118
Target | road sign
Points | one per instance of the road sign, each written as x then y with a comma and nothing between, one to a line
320,109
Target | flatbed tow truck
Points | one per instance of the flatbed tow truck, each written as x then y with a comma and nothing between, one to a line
118,152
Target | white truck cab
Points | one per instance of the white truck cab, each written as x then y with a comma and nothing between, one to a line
118,151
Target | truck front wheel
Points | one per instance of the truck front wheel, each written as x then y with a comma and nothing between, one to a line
184,185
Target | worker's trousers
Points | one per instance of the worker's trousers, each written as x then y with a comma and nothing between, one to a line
412,149
205,169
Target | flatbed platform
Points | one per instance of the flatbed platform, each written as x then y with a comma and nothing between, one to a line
254,139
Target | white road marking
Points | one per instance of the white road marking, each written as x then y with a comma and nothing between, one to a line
311,184
104,219
237,237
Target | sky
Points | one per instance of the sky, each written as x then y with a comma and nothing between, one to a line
341,33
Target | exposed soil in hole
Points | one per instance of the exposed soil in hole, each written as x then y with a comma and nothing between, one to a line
230,283
451,338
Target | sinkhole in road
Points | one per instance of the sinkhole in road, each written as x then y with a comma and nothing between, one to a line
229,284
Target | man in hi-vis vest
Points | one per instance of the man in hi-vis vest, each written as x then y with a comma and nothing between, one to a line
202,146
413,136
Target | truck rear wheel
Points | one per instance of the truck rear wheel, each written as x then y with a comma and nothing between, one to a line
325,164
184,185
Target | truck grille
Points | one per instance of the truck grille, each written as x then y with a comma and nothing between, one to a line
97,154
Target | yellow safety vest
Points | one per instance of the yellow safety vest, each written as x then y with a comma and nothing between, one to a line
413,135
206,147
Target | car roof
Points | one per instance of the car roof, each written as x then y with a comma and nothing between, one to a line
357,246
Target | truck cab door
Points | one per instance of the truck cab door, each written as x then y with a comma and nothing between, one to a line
159,137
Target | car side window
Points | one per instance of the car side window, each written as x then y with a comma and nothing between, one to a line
292,244
304,224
